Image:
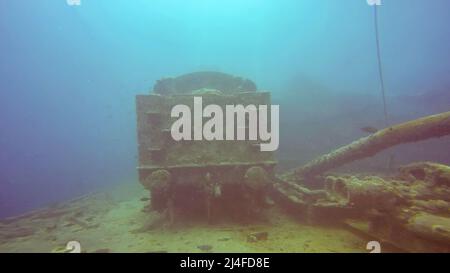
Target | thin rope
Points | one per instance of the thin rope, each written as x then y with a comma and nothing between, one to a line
380,68
383,91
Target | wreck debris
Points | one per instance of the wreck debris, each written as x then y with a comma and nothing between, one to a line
256,178
410,210
420,129
205,248
438,174
433,227
257,236
158,183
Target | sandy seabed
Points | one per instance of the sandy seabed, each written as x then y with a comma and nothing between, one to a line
114,221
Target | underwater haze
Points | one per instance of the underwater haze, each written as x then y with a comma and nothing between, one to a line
69,75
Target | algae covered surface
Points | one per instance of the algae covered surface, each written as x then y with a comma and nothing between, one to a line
113,221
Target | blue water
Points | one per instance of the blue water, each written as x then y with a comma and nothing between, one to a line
69,74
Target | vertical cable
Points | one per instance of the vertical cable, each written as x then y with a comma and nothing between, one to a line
380,69
383,91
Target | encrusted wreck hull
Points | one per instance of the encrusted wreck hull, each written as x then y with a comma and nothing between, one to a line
410,210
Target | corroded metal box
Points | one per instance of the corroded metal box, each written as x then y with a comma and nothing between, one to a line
180,173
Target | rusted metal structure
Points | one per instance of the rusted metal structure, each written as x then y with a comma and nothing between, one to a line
200,177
